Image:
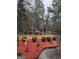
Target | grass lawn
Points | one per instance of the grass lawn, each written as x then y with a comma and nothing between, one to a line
30,36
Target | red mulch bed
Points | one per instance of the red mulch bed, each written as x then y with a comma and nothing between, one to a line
30,49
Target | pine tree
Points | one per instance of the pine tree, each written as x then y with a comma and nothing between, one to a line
56,18
21,16
39,15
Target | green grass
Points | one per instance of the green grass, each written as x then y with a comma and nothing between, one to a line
38,36
30,36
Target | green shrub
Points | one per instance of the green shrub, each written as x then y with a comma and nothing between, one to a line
54,38
43,39
48,39
17,38
34,39
38,44
24,39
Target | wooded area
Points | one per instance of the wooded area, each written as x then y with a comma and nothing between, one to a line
31,16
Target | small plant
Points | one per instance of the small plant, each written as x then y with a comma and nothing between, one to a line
43,39
48,39
24,38
17,38
38,44
54,38
34,39
30,32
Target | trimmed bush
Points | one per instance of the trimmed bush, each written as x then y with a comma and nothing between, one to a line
30,32
38,44
17,38
54,38
24,39
34,39
43,39
48,39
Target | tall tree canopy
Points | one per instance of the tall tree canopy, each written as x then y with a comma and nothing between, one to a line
30,16
56,15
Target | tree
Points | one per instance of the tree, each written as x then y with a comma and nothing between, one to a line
21,16
24,16
56,17
39,15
